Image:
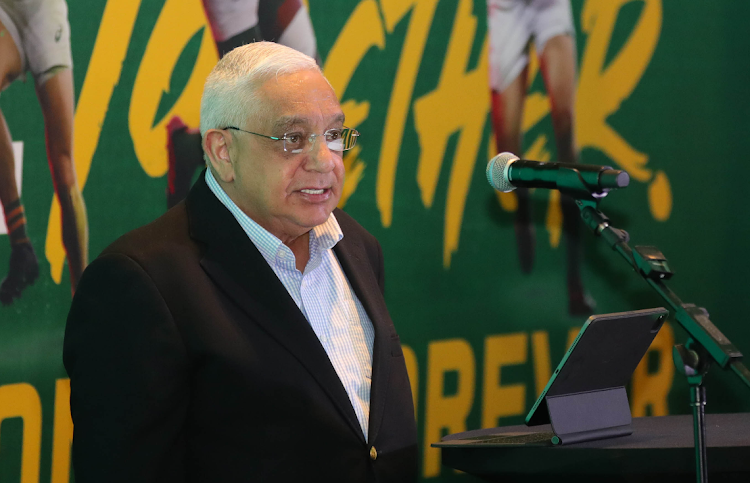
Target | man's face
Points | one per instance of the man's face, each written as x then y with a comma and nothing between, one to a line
289,194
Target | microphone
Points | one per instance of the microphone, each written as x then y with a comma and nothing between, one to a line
506,172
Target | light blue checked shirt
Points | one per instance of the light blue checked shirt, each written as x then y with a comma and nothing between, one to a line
324,296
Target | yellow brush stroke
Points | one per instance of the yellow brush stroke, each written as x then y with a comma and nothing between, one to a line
660,197
22,400
422,12
62,433
554,220
468,92
602,90
355,112
178,21
102,76
536,108
362,31
354,172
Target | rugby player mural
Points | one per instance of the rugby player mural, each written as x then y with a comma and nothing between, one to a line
35,38
512,25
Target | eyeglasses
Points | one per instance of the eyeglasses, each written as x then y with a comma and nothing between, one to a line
342,139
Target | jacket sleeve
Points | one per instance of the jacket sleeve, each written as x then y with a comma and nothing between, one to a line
128,371
380,267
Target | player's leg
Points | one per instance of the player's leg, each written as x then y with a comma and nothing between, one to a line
507,115
509,27
57,102
558,65
8,189
10,68
288,23
233,23
248,36
23,267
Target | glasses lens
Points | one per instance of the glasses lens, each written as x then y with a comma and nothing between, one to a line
336,140
294,142
341,139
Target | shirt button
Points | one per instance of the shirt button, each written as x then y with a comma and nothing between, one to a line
373,453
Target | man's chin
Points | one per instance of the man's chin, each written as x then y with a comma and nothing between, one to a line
314,217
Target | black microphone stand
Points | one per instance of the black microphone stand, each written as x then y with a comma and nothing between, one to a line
706,343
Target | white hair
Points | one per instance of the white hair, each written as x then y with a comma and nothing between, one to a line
230,94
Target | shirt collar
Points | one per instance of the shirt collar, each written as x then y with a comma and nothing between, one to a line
322,237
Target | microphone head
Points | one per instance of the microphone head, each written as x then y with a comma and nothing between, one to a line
498,171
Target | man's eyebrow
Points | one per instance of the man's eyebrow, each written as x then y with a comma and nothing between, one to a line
287,122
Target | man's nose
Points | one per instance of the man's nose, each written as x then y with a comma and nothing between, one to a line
321,158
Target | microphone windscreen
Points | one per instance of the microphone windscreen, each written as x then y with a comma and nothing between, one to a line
497,172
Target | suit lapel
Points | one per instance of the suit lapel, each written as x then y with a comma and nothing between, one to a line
237,267
354,262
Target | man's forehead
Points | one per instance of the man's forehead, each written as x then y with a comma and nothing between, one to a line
300,99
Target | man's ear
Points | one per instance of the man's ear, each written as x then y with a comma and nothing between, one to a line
216,143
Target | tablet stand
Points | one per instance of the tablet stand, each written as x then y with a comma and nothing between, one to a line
589,416
705,344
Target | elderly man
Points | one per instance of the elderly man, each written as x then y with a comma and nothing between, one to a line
243,336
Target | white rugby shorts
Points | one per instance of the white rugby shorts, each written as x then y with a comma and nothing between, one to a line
41,32
512,24
230,17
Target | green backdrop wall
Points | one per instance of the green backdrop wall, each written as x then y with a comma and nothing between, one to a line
662,93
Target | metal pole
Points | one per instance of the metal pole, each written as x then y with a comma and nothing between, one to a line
698,402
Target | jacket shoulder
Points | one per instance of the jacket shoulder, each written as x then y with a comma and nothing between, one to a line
167,237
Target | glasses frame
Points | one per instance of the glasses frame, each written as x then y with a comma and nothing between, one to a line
311,138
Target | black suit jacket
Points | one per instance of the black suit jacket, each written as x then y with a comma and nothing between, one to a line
190,362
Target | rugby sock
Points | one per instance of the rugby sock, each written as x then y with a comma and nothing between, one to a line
15,220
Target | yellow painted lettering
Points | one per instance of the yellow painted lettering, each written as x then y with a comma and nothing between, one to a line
572,334
446,412
403,88
62,434
542,364
501,400
412,368
650,389
660,197
22,401
178,21
554,220
470,91
601,91
363,30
